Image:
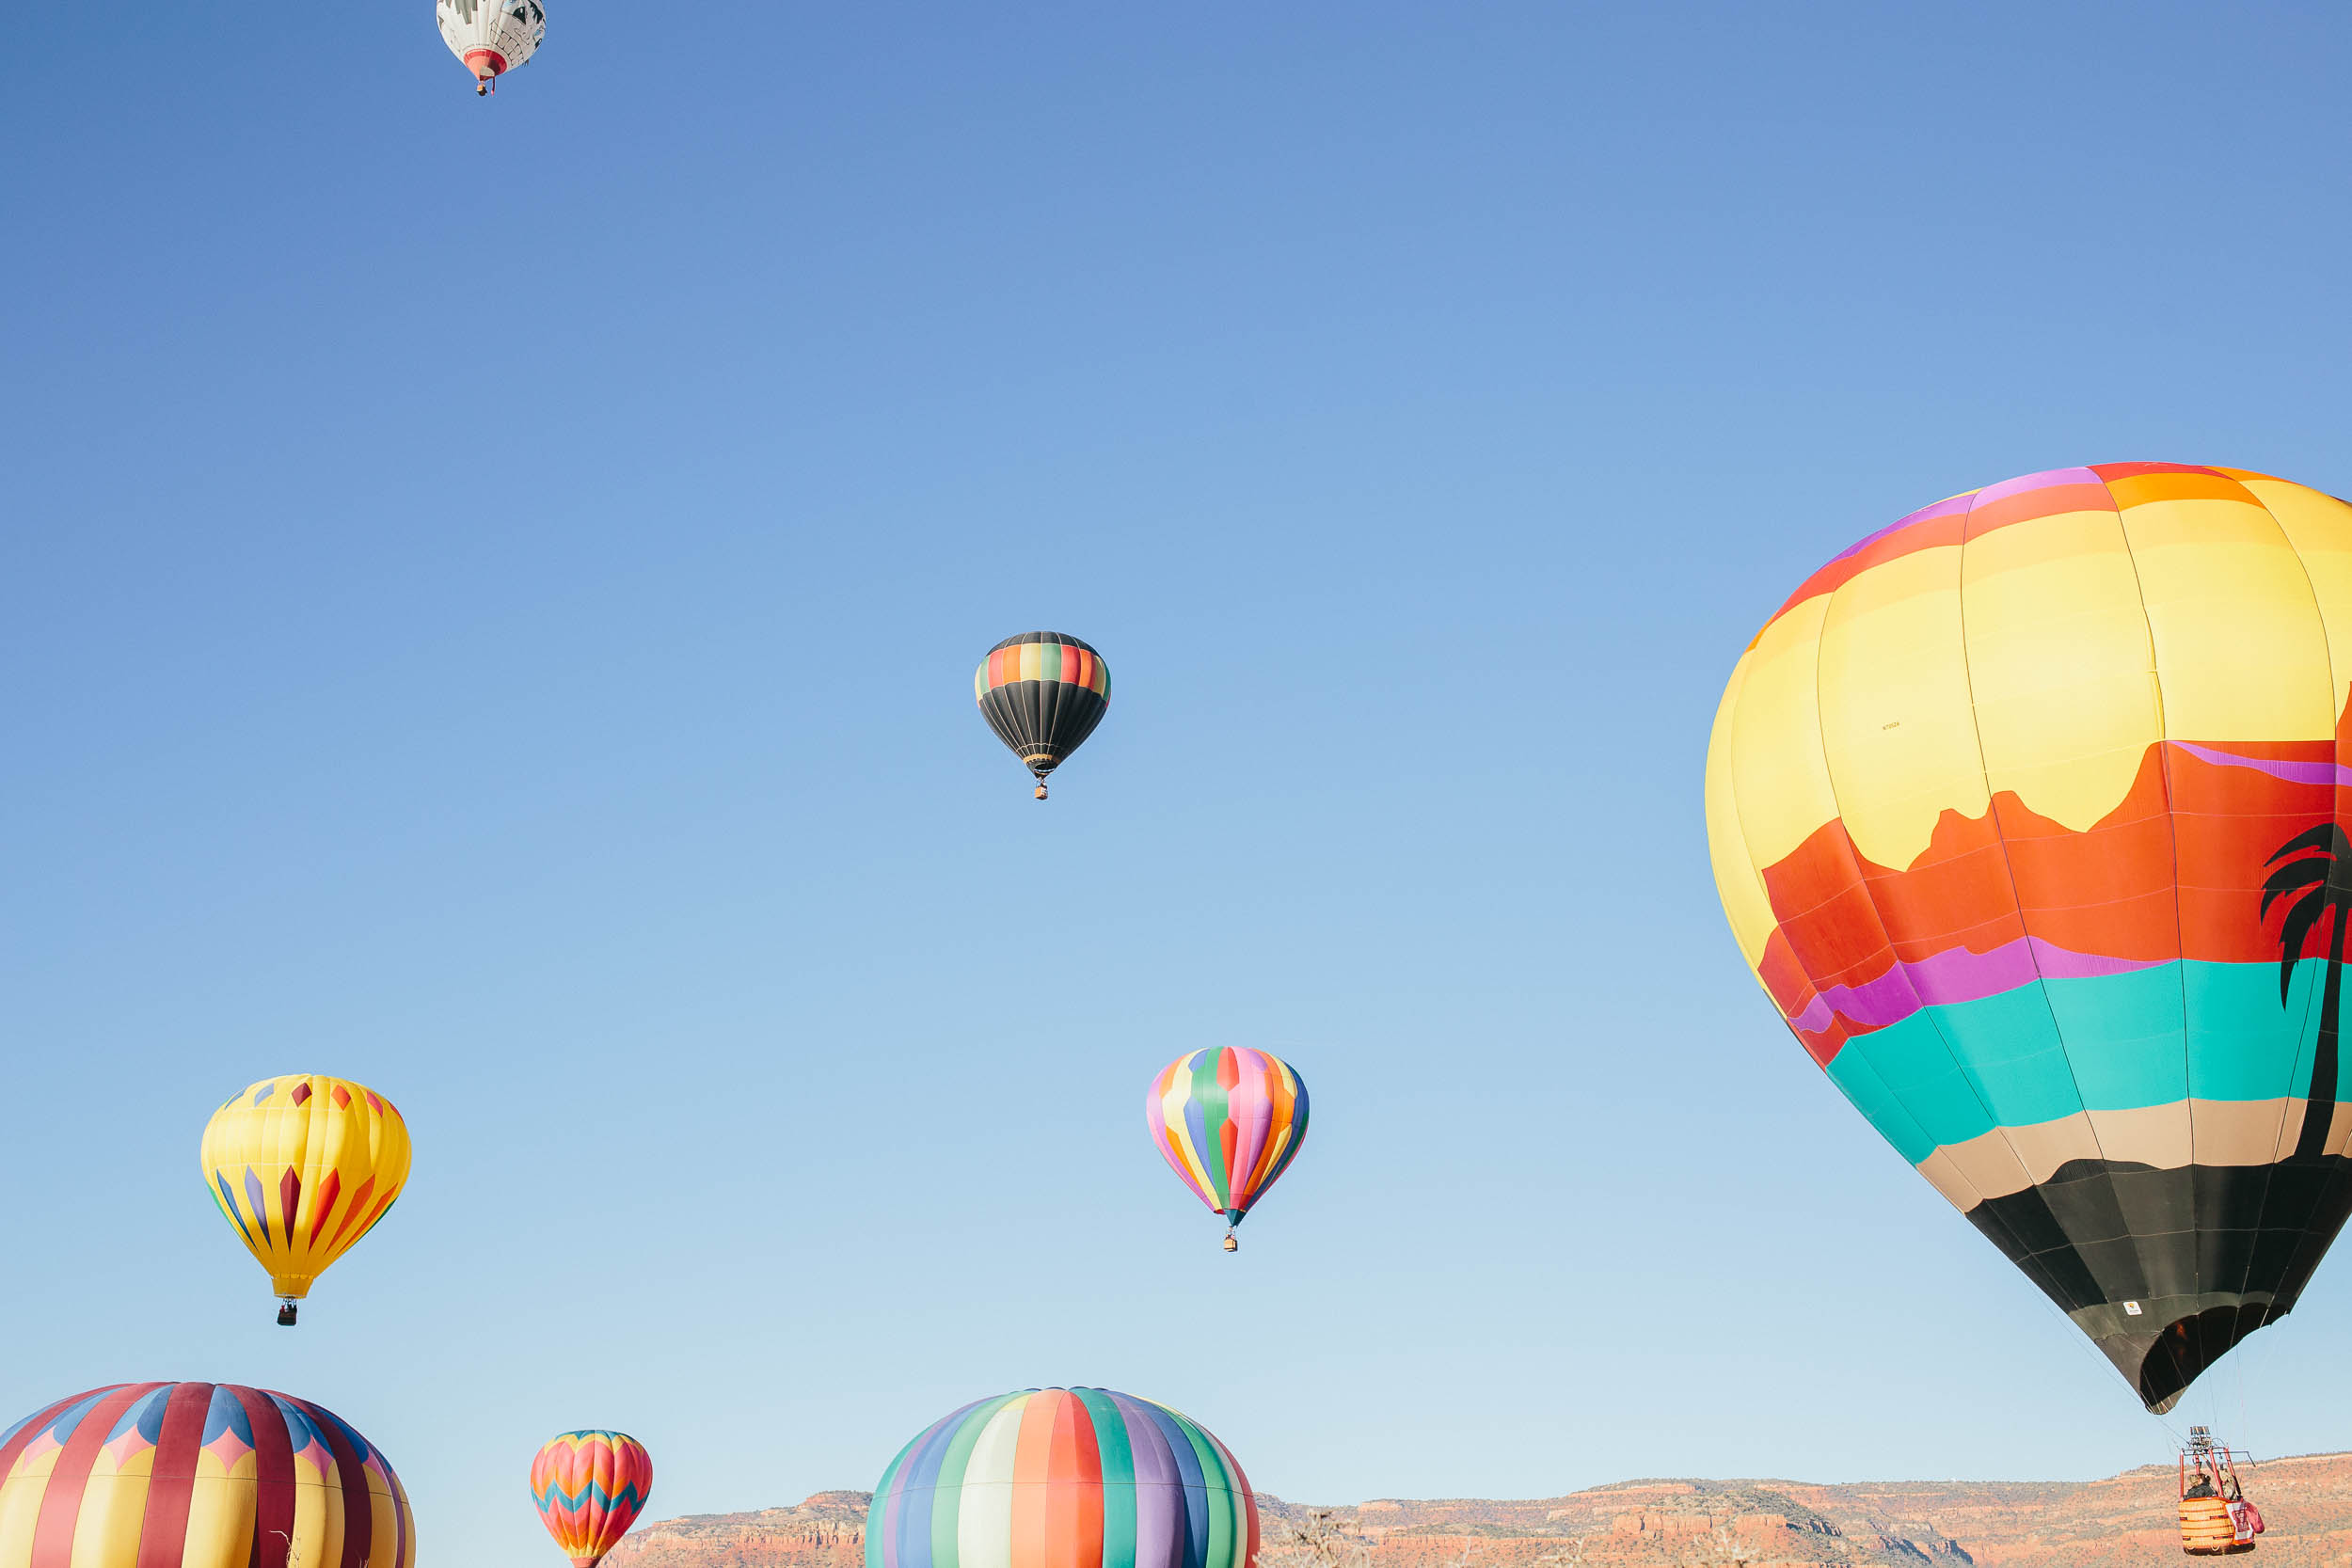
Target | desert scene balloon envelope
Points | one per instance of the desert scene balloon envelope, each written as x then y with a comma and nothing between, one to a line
2028,813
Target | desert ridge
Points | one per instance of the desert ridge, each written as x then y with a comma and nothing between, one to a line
2124,1521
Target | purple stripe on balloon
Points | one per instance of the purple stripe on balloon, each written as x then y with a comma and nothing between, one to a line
1956,975
2048,479
1159,1490
1925,514
261,1210
1193,1531
2333,773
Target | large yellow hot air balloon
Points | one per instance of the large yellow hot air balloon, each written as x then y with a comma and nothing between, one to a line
303,1166
2029,812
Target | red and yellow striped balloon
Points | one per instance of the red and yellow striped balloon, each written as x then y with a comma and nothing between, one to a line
196,1475
590,1486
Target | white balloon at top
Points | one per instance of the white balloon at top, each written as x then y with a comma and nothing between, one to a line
491,37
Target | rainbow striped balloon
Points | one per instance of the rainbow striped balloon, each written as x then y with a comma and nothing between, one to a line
1063,1478
590,1486
1229,1120
196,1475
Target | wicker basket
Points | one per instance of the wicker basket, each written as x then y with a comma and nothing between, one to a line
2206,1530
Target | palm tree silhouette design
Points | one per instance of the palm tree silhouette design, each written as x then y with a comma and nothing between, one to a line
2318,870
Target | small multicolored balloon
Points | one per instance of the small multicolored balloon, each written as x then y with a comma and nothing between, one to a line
1229,1121
1063,1478
590,1486
1042,693
303,1166
196,1475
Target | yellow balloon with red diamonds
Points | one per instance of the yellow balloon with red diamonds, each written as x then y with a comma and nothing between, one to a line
303,1166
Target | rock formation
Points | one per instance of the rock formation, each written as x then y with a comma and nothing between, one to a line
2123,1522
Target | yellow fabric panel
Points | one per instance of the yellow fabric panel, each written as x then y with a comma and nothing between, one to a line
19,1510
106,1532
1780,785
1179,1131
220,1518
2239,647
2059,663
318,1535
2319,528
1736,879
1896,726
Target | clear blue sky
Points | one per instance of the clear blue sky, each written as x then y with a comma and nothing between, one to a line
488,605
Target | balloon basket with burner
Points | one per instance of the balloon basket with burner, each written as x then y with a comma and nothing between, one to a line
2216,1518
286,1314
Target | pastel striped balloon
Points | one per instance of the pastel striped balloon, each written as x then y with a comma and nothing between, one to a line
196,1475
1063,1478
1229,1121
590,1486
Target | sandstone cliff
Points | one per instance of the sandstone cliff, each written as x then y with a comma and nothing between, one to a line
2123,1522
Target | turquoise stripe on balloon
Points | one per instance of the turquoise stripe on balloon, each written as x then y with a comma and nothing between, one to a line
878,1531
2011,1052
1119,1477
2126,1047
2124,1033
1915,1067
2242,1044
1853,1075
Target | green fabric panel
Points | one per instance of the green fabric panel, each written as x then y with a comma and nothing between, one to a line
946,1506
1119,1477
1224,1549
1210,1095
1049,660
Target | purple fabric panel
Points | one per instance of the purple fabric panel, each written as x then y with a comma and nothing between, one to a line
1159,1490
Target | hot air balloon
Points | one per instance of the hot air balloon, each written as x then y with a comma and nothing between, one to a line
2028,813
196,1475
590,1486
1042,693
1229,1121
491,37
303,1166
1063,1478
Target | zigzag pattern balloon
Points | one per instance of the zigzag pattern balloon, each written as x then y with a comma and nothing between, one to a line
590,1486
